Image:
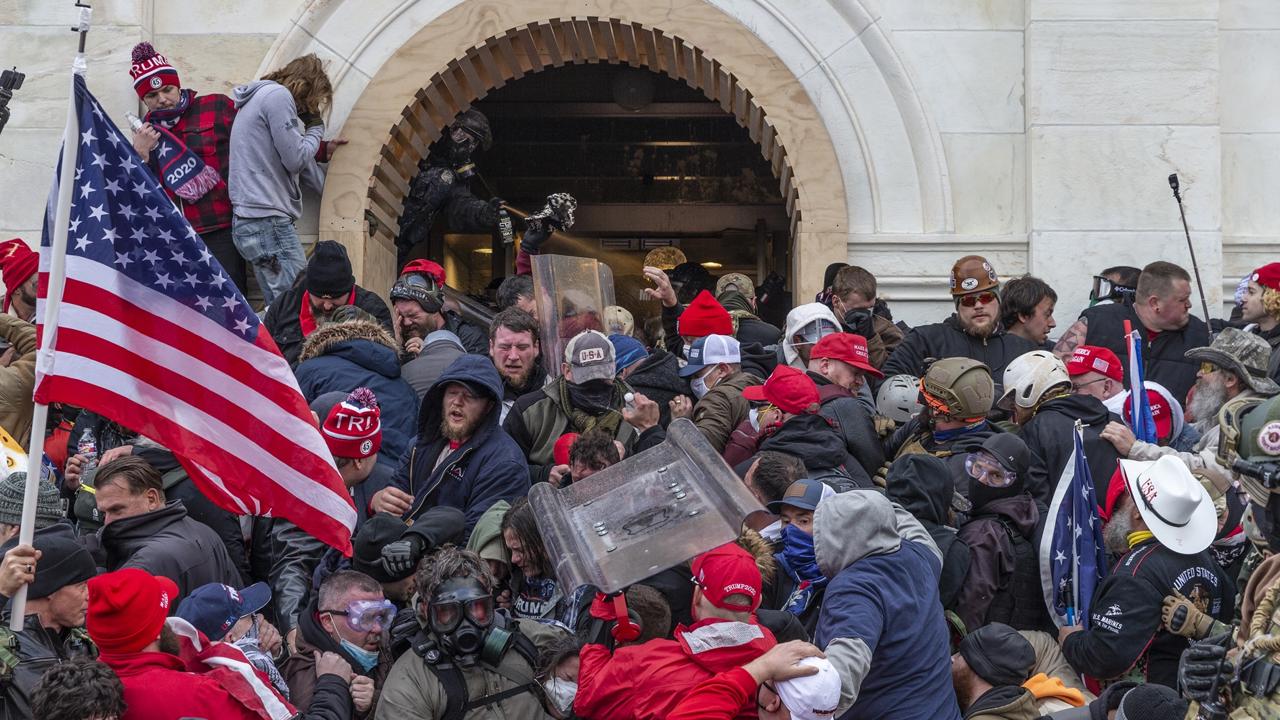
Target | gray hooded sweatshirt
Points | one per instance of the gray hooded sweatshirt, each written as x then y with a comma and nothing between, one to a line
851,531
270,152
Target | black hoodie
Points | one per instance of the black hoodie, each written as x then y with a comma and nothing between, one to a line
923,486
1049,435
999,519
812,439
657,377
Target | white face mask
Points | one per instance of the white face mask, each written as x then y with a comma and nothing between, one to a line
561,693
699,385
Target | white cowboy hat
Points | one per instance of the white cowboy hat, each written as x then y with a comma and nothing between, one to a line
1172,503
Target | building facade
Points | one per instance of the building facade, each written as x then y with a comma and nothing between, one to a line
902,133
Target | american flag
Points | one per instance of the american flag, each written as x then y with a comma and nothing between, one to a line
1073,558
1140,417
152,334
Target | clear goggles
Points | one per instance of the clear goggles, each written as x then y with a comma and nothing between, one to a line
1105,289
368,615
986,469
813,332
419,280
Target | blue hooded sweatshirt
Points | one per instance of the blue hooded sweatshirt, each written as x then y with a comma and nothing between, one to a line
486,468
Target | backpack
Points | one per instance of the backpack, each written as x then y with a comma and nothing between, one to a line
458,703
1019,602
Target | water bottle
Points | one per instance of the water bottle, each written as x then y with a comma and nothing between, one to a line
88,447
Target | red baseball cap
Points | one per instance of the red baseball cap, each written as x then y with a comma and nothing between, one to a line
728,570
847,348
790,390
560,451
1159,410
1268,276
127,608
426,267
1091,358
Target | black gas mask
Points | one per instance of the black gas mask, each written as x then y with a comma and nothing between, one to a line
461,617
462,143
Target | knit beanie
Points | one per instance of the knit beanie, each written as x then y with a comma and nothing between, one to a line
353,427
150,70
127,608
329,270
17,264
627,351
704,316
49,507
998,654
1151,702
63,561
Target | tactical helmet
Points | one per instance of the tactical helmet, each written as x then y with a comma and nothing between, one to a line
899,398
1250,431
1029,377
972,273
959,387
475,123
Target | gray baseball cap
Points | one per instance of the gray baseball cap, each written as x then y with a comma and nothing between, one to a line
590,354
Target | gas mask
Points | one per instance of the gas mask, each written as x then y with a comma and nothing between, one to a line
462,143
461,617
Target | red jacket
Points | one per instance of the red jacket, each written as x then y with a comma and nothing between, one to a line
157,687
645,682
719,697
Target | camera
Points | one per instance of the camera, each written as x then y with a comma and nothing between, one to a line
10,80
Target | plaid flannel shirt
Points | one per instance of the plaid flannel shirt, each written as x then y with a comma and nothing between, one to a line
206,130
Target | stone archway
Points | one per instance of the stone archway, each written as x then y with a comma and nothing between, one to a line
864,157
527,50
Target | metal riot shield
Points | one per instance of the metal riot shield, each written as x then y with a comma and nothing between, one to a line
649,512
571,294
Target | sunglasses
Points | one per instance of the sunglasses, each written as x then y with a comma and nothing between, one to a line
987,470
1077,387
1208,368
367,615
981,298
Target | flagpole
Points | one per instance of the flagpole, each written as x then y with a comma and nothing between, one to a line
53,299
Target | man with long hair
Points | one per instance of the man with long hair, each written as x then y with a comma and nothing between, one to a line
276,142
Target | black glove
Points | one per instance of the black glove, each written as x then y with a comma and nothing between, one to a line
310,119
1204,669
859,322
403,628
401,557
534,237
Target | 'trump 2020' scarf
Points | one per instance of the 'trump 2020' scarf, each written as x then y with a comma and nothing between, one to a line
181,170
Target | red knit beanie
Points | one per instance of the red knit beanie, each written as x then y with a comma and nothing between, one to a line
150,70
17,264
127,608
704,316
353,428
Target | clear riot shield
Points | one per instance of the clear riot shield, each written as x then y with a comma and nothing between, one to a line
649,512
571,293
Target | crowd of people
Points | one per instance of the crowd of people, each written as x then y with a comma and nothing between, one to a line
904,475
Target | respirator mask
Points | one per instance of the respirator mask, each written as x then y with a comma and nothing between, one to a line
461,616
462,143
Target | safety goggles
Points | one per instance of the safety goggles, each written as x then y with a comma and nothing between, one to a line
419,280
367,615
813,332
987,470
445,617
1105,289
982,298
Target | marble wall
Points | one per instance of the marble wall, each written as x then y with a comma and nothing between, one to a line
1039,132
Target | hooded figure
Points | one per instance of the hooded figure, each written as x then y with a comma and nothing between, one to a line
1003,536
881,623
485,468
923,486
348,355
812,320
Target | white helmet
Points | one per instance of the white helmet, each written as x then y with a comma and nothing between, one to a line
899,398
1029,377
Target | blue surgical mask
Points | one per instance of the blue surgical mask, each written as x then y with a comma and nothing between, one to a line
366,659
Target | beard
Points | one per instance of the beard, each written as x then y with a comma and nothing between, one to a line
460,432
517,381
1115,534
169,642
961,679
983,329
1210,396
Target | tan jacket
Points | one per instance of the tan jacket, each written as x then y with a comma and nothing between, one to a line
17,381
723,408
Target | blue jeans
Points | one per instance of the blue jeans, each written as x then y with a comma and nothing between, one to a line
271,247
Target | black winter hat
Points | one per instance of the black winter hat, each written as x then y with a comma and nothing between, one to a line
329,270
63,561
1151,702
366,546
998,654
1011,451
